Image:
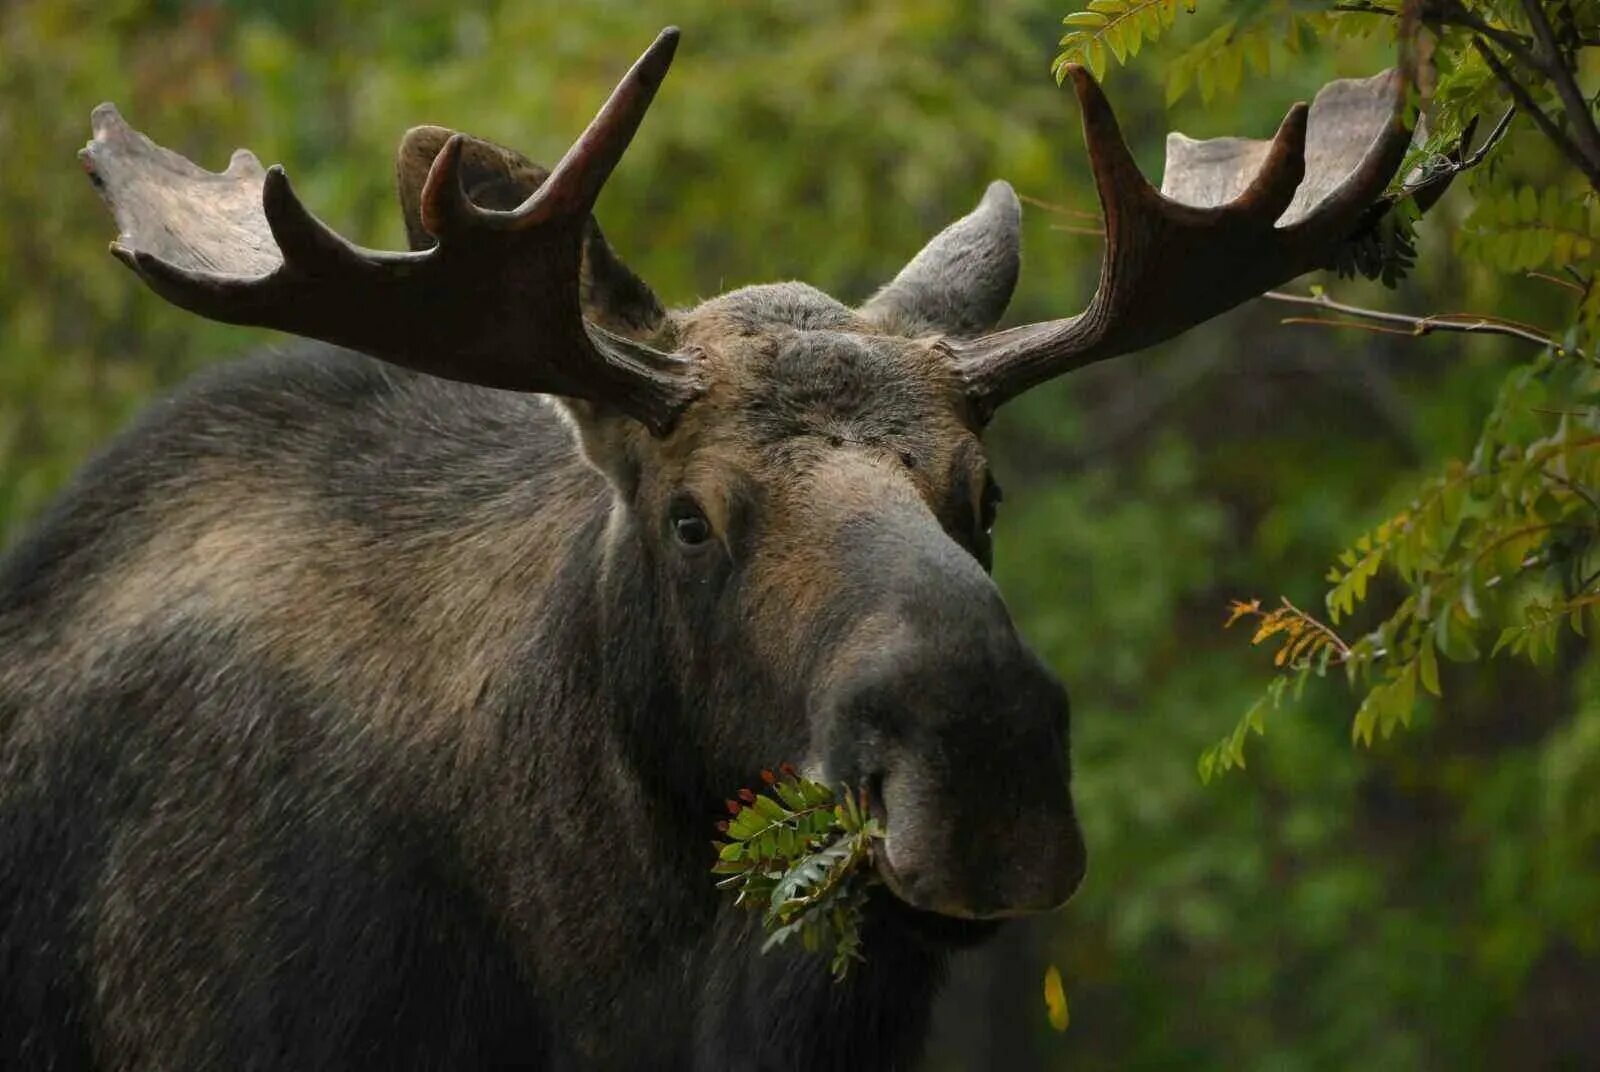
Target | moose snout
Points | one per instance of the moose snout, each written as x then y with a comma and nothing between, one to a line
966,765
958,731
994,860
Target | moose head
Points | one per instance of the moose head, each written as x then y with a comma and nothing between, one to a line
800,485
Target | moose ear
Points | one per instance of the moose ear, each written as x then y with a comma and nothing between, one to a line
499,178
961,282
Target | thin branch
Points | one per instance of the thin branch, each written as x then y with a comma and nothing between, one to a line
1440,168
1485,318
1491,141
1315,623
1522,567
1573,486
1558,281
1452,13
1520,48
1517,534
1320,321
1461,18
1525,101
1560,73
1465,323
1058,208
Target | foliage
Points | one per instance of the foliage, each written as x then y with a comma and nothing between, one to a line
1120,27
1501,544
795,853
1055,1000
1264,38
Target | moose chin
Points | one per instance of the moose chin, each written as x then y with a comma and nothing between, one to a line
368,704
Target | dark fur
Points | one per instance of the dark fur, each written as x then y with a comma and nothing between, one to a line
348,719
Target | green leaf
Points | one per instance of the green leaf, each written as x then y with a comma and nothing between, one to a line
770,809
1428,664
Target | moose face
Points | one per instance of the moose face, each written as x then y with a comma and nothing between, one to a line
805,480
820,522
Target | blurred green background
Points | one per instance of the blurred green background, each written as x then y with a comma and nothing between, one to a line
1431,903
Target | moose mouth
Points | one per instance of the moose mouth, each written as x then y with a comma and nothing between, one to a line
929,927
950,929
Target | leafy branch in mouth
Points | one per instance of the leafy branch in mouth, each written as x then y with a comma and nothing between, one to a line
798,854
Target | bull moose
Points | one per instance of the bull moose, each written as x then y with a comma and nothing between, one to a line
372,709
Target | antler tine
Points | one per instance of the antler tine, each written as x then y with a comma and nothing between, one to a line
575,182
1272,190
1234,218
303,240
495,302
1117,177
577,179
446,209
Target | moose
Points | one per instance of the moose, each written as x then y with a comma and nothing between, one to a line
369,703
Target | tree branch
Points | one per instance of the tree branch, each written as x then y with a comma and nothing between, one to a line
1525,101
1463,323
1572,99
1518,46
1438,170
1542,56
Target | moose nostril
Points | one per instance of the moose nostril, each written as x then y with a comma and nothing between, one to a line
872,787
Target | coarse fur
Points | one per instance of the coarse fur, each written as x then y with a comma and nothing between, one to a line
351,718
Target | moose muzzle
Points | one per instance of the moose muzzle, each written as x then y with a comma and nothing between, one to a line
959,734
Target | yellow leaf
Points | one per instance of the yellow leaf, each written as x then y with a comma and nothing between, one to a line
1238,609
1055,999
1270,625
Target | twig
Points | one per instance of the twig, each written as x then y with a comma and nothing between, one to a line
1440,168
1548,412
1572,99
1318,321
1558,281
1573,486
1458,17
1453,14
1522,567
1485,318
1316,623
1517,45
1059,209
1525,101
1491,141
1465,323
1517,534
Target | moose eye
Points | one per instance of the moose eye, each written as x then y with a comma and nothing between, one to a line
689,522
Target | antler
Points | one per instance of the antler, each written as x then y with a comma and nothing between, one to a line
1233,218
496,301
